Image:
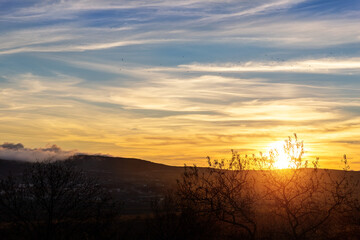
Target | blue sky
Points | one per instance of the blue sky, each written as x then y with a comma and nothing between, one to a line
175,81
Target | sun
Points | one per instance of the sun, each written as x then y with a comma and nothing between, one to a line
284,154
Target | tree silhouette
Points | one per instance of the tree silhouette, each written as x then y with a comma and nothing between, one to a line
225,192
51,197
170,222
304,198
301,201
348,216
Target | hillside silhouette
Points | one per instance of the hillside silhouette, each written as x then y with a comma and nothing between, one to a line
134,181
215,202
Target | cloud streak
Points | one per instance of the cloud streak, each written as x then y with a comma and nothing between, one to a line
324,65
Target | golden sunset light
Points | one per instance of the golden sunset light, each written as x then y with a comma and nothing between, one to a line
179,120
283,157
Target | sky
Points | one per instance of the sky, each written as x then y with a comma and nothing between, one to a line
176,81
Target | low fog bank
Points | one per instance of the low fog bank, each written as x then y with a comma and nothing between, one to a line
12,151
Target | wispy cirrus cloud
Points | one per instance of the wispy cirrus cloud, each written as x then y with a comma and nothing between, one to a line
62,8
198,113
80,47
153,79
322,65
248,22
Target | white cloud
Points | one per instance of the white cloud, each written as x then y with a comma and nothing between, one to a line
10,151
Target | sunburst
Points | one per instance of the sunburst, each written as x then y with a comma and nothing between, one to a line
285,154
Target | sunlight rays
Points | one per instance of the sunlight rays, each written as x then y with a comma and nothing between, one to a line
286,154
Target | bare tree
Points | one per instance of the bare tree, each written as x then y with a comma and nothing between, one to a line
170,222
302,202
348,216
225,192
53,195
303,198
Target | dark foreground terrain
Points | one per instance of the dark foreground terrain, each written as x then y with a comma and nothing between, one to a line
133,181
97,197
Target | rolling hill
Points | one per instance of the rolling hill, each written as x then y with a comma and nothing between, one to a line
134,181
